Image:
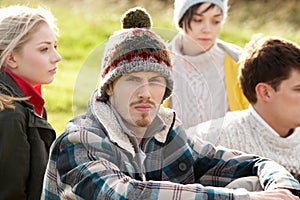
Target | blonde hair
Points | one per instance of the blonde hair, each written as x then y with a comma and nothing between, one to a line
16,25
7,101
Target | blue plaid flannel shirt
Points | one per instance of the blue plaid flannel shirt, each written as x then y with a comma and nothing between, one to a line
96,159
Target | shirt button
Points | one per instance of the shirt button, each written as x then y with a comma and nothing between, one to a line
182,166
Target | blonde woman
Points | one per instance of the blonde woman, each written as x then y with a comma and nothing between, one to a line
28,59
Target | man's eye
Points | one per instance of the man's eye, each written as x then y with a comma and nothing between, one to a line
155,81
133,79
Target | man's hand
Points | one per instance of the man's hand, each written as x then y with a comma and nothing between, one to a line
277,194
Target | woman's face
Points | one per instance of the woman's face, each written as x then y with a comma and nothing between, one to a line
205,26
36,61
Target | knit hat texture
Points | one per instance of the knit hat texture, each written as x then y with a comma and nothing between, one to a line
134,50
181,6
136,17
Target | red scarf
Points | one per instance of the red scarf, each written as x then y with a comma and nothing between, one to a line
35,93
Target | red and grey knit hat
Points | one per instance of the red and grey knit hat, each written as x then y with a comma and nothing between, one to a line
134,50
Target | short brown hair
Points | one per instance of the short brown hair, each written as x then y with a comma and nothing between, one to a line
269,60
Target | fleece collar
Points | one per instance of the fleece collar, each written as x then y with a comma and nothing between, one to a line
106,116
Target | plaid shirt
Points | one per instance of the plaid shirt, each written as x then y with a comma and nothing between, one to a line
97,158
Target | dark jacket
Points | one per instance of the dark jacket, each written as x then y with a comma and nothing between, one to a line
25,140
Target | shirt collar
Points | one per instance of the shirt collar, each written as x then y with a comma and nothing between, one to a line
261,120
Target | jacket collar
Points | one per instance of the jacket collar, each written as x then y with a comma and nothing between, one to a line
34,93
107,117
8,82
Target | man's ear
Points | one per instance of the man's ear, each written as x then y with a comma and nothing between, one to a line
109,90
10,61
263,91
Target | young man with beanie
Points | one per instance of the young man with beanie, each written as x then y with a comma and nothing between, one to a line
127,146
270,79
205,67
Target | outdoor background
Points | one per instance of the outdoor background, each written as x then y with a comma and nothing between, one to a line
85,26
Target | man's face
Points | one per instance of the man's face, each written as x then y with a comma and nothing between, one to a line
285,103
137,97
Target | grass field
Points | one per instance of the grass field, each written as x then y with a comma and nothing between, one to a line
86,24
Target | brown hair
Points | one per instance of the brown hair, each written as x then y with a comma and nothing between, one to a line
269,60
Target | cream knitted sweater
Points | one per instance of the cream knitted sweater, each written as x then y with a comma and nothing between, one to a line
246,131
199,92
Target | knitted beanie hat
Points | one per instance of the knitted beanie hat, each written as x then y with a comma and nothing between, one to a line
134,50
181,6
136,17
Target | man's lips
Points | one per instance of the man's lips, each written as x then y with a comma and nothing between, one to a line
143,107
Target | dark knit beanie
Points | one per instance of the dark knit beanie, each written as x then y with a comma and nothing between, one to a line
136,17
134,50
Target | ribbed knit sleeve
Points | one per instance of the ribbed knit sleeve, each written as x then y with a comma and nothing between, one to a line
242,131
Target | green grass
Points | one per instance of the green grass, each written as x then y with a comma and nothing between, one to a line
85,25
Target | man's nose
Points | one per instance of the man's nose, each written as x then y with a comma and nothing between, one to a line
144,91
